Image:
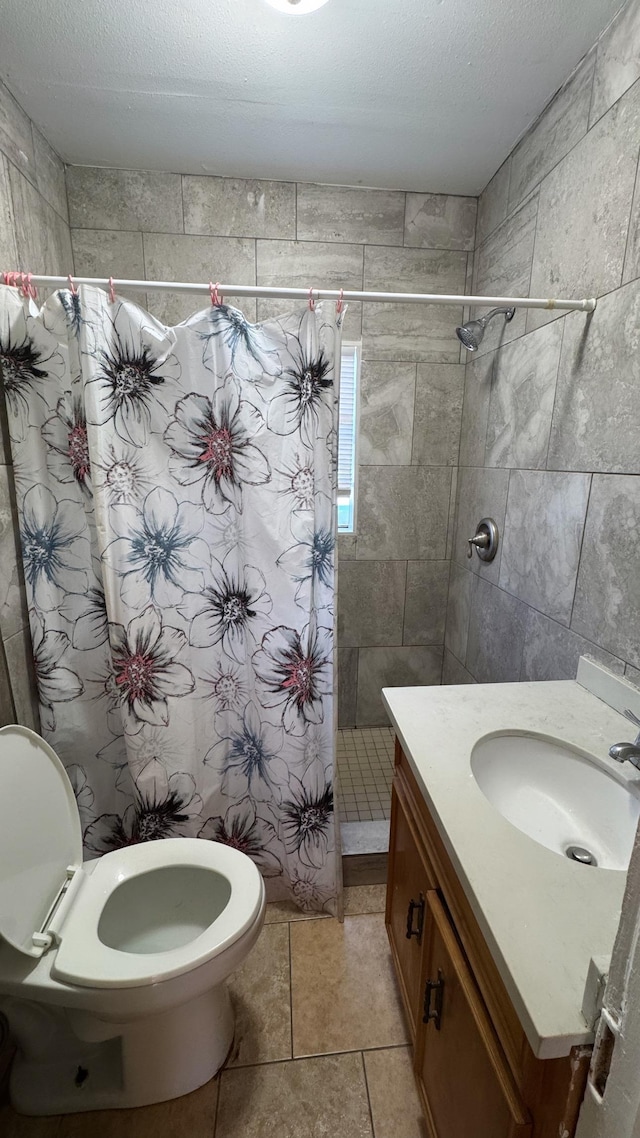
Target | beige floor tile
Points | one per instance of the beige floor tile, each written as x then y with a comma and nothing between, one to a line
307,1098
278,911
191,1116
395,1105
344,993
364,899
260,992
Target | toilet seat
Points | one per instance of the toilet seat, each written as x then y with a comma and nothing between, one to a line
82,958
49,901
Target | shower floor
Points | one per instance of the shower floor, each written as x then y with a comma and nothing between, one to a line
365,769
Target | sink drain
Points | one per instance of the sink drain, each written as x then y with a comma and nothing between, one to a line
580,854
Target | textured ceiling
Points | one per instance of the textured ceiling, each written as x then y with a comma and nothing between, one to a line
416,94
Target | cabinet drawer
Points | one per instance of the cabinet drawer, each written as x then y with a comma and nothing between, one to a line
467,1088
409,881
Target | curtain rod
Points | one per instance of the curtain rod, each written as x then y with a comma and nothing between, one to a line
267,293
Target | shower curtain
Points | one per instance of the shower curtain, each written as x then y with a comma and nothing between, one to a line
175,492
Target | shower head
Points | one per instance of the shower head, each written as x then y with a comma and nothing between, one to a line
471,333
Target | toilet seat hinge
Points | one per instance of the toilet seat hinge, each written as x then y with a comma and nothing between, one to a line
49,933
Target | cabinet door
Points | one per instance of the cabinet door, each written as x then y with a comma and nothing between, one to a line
467,1089
408,883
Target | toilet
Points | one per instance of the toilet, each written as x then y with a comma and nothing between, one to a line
112,971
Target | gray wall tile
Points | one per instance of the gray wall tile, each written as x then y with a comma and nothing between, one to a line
496,634
102,252
347,543
493,203
305,264
453,671
239,207
481,494
392,667
618,63
425,606
440,221
13,609
552,651
503,268
607,603
16,139
583,214
408,331
8,254
597,411
458,611
183,257
542,539
522,394
42,237
50,176
347,686
23,685
7,710
370,603
632,674
560,126
438,414
387,393
403,512
347,213
475,410
125,199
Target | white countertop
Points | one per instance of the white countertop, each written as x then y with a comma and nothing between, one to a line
542,915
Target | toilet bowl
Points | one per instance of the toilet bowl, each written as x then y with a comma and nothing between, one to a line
112,972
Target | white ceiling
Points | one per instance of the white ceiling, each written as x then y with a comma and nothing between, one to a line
415,94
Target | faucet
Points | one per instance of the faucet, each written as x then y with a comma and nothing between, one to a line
631,751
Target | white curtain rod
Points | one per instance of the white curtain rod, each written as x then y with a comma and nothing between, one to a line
266,293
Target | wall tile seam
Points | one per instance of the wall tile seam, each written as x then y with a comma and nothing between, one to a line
538,185
546,615
548,107
555,395
632,203
34,185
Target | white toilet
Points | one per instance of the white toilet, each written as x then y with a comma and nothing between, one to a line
111,972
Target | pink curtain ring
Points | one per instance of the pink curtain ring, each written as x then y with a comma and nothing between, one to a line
72,286
215,294
28,289
312,303
112,292
340,302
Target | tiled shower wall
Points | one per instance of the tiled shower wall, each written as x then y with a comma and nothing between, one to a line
393,576
34,235
550,429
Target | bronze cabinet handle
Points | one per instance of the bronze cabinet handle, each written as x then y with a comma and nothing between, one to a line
434,988
417,932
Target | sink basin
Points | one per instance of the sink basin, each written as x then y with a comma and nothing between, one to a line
559,796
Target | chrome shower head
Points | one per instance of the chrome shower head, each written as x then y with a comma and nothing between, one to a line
470,334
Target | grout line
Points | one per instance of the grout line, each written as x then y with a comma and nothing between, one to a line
366,1085
636,191
290,988
584,530
319,1054
555,396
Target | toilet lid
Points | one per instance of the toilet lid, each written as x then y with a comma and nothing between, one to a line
40,834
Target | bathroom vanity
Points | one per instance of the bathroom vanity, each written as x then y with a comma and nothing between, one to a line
492,931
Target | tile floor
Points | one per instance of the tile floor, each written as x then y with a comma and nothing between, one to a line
321,1045
364,758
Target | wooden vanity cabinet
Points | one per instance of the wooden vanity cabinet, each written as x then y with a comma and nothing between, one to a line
476,1073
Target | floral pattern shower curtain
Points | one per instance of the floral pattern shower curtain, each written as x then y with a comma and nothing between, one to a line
175,492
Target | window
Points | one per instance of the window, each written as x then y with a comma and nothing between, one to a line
347,430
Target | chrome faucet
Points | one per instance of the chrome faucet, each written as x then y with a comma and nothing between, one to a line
631,751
